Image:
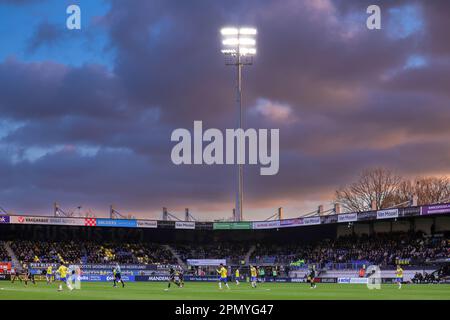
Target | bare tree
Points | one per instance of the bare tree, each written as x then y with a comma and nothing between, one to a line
379,185
428,190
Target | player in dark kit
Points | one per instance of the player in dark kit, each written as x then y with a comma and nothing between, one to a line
181,278
28,276
172,274
311,278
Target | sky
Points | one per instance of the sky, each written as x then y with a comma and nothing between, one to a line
86,115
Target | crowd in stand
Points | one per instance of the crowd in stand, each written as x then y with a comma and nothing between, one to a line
31,251
149,254
3,254
231,252
91,252
381,249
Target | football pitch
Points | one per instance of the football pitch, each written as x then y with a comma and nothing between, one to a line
210,291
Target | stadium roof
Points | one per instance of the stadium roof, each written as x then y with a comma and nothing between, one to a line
386,214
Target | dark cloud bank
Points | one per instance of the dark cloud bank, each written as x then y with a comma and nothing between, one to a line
343,97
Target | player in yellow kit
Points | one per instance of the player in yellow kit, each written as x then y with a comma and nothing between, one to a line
49,274
399,276
237,276
62,271
253,276
223,276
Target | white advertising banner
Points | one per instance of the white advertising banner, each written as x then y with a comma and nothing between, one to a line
47,220
206,262
28,220
353,280
291,223
387,214
266,224
184,225
147,224
311,221
66,221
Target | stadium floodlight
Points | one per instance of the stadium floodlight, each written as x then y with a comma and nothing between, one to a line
248,31
239,41
239,46
229,31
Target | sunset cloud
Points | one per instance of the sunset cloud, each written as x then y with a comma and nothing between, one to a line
273,111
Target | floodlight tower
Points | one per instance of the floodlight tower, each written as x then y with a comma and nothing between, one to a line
239,47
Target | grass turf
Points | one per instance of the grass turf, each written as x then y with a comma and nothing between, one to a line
210,291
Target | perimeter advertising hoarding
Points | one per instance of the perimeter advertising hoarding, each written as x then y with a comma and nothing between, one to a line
66,221
330,219
387,214
311,221
124,267
369,215
278,279
206,262
100,267
153,278
103,278
47,220
436,209
353,280
201,279
347,217
266,224
147,224
203,225
326,280
299,280
119,223
212,279
5,277
185,225
29,220
166,278
408,212
291,223
166,224
232,225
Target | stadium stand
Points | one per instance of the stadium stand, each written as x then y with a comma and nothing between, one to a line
46,252
231,252
336,250
384,249
151,254
90,252
3,254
